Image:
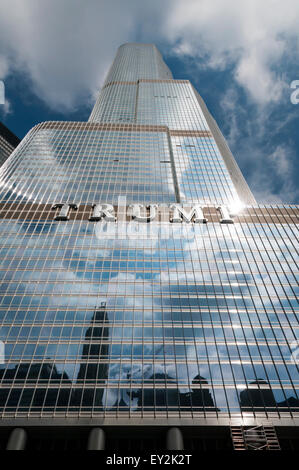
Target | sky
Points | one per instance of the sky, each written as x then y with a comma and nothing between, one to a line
242,57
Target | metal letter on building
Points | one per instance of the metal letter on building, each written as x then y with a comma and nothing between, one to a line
103,210
180,214
225,215
136,212
64,210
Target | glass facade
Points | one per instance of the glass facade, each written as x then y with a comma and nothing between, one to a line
156,320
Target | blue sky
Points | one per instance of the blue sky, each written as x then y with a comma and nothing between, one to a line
241,57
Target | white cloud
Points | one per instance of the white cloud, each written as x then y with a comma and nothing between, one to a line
229,103
280,166
281,160
273,177
263,147
4,67
67,46
251,35
64,46
6,108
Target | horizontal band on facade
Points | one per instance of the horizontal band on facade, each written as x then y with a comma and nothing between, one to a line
182,133
144,80
94,126
154,385
44,212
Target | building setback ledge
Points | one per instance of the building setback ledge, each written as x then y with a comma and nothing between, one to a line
149,422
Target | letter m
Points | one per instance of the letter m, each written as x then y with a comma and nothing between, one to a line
180,214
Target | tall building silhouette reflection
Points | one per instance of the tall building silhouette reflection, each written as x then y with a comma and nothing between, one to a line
42,377
92,372
158,397
199,398
166,393
258,397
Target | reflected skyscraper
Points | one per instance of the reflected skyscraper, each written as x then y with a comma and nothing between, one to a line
35,395
199,398
259,395
8,142
136,262
93,369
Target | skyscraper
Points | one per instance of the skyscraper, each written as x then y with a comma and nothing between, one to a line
146,296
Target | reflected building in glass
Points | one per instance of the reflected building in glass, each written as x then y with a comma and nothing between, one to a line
8,142
142,285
